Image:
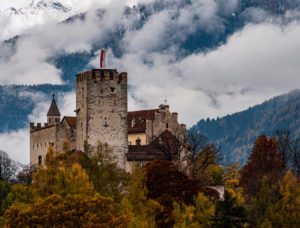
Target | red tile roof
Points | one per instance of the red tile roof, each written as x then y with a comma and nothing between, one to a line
71,121
139,118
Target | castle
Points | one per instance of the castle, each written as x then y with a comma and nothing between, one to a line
102,115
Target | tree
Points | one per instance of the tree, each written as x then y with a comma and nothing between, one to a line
198,214
263,161
72,211
202,159
290,150
295,158
141,210
166,185
25,175
262,209
46,178
4,190
289,203
266,224
229,213
101,166
8,167
232,182
19,195
57,178
201,149
278,204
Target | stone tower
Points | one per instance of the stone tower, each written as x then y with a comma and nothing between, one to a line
101,110
53,114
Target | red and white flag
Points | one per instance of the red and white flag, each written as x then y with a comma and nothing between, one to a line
102,58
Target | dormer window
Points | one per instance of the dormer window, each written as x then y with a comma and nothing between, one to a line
132,123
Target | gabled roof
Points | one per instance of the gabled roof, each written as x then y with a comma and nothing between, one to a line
137,119
71,120
53,110
164,147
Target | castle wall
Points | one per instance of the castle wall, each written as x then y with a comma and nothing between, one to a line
40,138
102,110
165,120
132,137
65,134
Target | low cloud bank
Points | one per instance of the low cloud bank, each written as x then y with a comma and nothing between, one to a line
17,143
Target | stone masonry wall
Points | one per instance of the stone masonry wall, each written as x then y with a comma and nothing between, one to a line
102,110
40,138
65,134
165,120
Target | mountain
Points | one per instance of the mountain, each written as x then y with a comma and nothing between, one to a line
18,20
17,101
236,133
199,39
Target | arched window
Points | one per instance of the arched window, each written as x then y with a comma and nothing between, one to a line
40,160
167,125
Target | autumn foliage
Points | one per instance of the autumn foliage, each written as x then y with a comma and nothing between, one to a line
72,211
86,189
265,160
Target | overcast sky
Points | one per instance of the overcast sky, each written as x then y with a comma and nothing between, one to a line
256,63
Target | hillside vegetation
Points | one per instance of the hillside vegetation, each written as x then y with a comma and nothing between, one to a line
236,133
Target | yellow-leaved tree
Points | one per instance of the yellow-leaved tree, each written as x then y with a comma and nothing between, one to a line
232,178
61,196
57,178
72,211
289,204
193,216
141,211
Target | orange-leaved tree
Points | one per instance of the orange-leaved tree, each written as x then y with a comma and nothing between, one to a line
166,185
265,160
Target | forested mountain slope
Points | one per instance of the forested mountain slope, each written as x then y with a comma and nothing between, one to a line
236,133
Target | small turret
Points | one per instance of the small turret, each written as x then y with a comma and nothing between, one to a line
53,114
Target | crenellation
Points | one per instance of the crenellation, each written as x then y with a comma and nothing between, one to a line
102,115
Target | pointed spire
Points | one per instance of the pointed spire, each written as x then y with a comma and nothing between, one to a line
53,110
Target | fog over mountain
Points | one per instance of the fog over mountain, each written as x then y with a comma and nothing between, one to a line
209,58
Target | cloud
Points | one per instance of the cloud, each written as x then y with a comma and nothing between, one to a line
257,63
28,66
20,16
16,143
29,61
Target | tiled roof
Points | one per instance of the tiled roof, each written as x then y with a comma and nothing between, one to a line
164,147
137,120
53,110
71,121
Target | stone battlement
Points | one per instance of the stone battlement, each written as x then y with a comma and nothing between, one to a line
102,75
38,126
